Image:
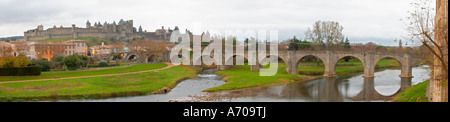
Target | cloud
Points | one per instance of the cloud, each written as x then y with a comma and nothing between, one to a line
363,20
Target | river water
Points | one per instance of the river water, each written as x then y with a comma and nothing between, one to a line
386,84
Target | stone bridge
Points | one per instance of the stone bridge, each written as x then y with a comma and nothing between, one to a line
330,59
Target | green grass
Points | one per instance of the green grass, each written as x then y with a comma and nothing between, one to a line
242,77
414,93
96,87
62,74
90,41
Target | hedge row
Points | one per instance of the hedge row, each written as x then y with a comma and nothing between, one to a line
24,71
107,65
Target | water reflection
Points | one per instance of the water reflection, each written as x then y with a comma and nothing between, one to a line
334,90
369,93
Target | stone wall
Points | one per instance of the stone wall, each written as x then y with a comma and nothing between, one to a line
438,87
124,29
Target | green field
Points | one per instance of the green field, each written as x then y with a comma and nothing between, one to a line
96,87
414,93
90,41
241,76
63,74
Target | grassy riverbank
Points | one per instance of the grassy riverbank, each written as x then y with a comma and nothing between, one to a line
414,93
241,76
64,74
97,87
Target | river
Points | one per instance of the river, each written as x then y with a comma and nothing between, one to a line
386,84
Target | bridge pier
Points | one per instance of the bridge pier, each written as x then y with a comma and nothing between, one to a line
406,72
369,65
292,67
222,67
407,65
291,64
255,68
330,70
330,65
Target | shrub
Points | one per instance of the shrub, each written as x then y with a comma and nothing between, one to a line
22,71
72,62
21,61
44,63
58,59
7,61
103,64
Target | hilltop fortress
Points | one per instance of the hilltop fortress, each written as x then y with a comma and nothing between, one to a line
123,31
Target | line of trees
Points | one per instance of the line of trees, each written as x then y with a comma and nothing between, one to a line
325,35
14,62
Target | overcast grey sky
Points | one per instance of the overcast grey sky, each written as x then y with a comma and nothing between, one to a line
363,20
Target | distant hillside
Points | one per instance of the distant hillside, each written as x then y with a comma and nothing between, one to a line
11,37
91,41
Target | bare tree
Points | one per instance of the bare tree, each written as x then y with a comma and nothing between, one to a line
5,49
116,52
328,32
432,32
421,28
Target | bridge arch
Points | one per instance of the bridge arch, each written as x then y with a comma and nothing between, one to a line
278,57
180,61
399,60
230,59
151,59
300,58
131,57
357,56
361,59
200,59
406,63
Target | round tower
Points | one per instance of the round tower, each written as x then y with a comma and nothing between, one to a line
88,24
